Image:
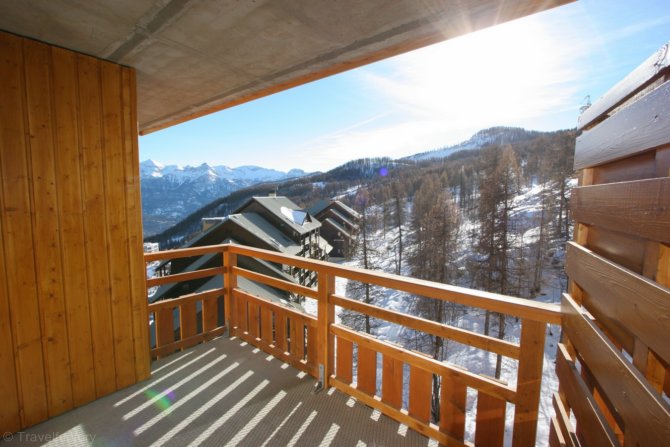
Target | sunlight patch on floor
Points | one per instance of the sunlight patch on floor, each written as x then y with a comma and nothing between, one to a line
202,388
160,379
170,391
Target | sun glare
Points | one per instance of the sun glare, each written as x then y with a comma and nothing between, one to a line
496,76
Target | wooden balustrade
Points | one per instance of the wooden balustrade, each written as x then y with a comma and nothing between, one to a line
349,360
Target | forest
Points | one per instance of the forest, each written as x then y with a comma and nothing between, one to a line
494,220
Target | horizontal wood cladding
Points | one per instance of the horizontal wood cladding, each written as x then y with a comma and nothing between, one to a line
582,403
645,416
640,208
654,67
639,127
73,319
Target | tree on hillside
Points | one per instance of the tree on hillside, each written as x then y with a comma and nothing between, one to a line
498,186
367,252
436,223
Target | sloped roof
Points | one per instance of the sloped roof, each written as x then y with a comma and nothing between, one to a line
195,57
285,209
255,224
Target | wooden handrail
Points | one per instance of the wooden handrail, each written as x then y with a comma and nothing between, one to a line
518,307
431,327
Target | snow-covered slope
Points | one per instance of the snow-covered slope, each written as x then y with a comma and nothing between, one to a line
170,193
483,138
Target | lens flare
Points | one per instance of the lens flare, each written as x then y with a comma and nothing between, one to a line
162,403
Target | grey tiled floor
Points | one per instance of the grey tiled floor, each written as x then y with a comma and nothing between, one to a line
224,392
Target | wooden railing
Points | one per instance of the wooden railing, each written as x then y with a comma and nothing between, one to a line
348,360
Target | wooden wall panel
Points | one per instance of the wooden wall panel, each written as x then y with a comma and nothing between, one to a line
18,236
71,222
73,318
624,151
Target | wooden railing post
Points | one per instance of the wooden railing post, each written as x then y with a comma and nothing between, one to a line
229,283
326,317
529,380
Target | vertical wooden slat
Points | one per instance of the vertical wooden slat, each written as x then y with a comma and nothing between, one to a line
529,379
420,387
164,319
266,325
254,316
95,223
209,314
72,225
115,199
490,429
188,319
312,342
297,331
281,342
392,375
230,283
46,239
18,236
326,317
453,395
241,310
345,353
137,268
367,370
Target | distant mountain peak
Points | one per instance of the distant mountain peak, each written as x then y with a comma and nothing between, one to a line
171,192
493,135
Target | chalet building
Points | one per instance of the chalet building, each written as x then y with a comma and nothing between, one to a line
270,223
339,225
81,80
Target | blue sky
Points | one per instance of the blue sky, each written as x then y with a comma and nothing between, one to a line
534,73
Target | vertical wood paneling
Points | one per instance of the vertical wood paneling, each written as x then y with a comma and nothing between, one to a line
115,200
95,223
18,236
73,251
134,223
9,415
47,247
73,309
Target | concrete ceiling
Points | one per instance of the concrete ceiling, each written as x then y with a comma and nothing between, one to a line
195,57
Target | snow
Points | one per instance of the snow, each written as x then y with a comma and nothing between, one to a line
181,174
295,216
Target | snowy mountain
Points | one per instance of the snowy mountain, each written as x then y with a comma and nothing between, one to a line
483,138
170,193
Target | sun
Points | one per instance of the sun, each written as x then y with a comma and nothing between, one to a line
499,75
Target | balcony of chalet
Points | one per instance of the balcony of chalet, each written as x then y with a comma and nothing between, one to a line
229,367
233,368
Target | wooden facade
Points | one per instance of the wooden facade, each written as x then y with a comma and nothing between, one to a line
613,364
73,313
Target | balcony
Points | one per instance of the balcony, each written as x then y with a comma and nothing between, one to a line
229,389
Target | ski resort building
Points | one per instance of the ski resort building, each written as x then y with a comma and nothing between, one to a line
339,225
80,80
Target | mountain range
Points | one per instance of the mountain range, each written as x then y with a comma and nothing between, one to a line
170,193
